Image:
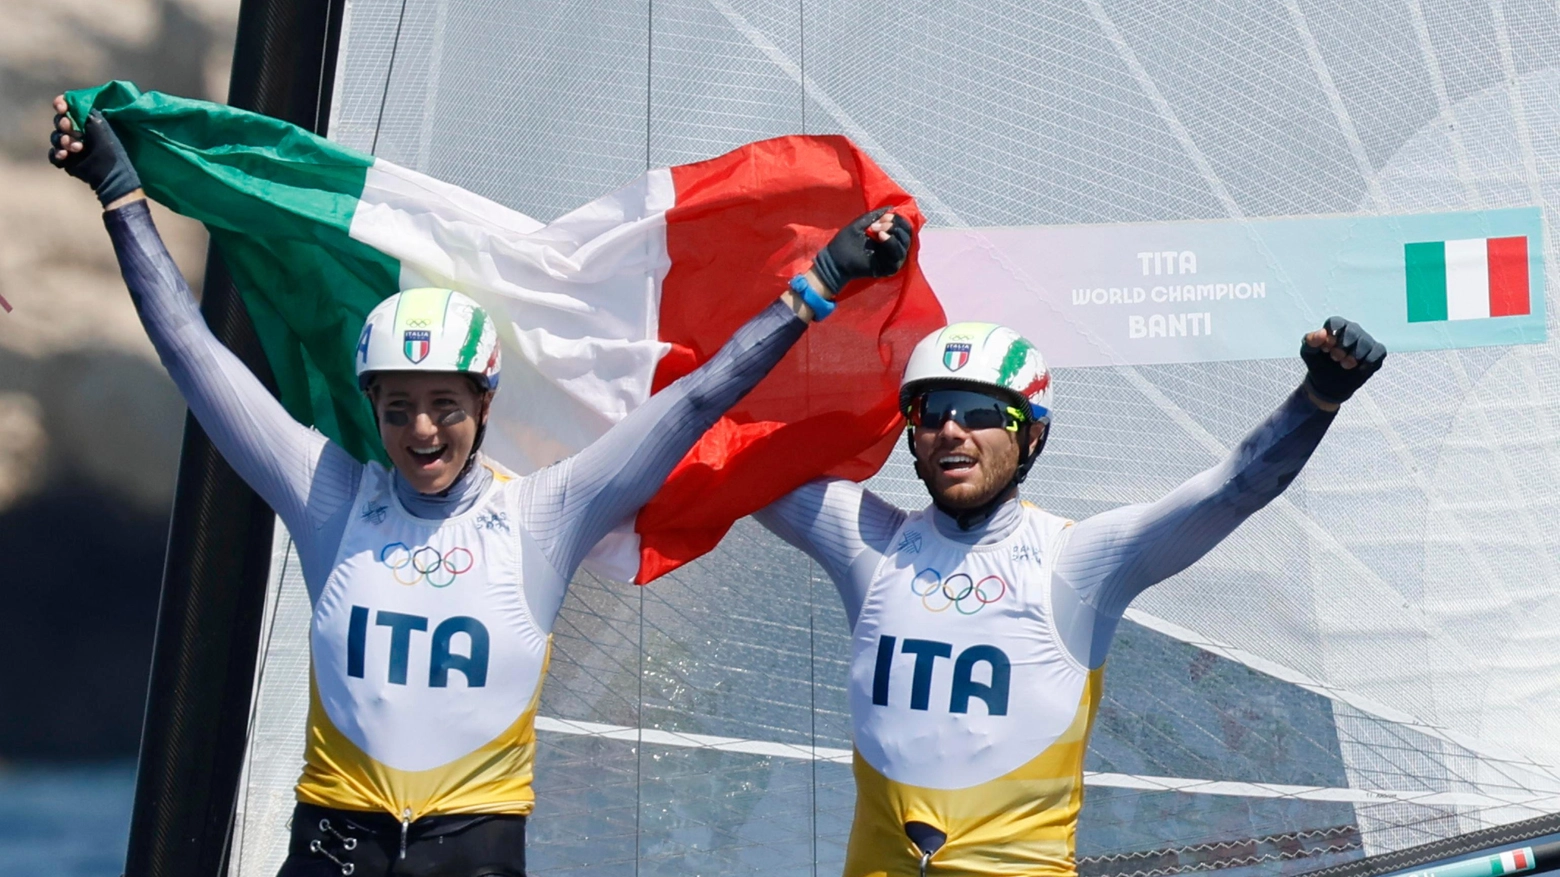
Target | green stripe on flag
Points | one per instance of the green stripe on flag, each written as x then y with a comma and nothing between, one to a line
1424,264
278,201
468,351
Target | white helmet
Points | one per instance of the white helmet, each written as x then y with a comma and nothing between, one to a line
428,330
991,359
980,356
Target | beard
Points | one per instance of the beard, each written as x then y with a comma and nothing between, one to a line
993,476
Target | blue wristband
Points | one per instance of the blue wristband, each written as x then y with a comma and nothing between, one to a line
821,307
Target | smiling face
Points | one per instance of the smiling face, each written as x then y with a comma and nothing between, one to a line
965,467
428,423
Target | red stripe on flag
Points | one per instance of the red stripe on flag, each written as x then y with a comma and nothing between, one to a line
744,223
1519,857
1508,262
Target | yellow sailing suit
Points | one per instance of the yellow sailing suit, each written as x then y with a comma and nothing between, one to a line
426,663
969,713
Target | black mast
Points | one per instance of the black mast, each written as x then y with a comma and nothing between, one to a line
219,541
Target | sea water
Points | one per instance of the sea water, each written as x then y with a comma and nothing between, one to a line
65,820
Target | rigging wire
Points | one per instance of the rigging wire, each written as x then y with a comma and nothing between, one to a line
639,747
812,578
384,96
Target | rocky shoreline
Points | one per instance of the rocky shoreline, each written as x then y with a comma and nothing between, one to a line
90,424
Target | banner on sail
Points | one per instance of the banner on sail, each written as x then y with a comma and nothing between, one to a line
1145,293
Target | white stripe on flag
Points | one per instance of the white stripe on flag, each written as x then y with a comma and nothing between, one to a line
1467,280
576,304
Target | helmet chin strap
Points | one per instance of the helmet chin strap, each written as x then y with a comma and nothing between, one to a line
476,445
970,518
471,459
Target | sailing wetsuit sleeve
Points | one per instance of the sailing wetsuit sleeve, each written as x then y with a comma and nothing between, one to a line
1112,557
571,505
306,479
841,525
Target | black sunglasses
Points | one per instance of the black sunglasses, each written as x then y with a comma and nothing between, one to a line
970,409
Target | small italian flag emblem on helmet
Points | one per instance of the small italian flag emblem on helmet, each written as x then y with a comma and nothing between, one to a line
416,344
956,354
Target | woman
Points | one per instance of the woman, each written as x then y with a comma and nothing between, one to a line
435,583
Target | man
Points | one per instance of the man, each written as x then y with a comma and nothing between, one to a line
981,624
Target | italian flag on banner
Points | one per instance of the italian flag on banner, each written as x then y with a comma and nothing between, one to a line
596,310
1467,279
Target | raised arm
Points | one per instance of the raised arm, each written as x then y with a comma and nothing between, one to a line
1114,556
571,505
842,526
300,475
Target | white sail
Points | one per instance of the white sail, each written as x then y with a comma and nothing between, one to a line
1368,664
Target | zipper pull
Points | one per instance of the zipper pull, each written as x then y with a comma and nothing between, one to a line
406,823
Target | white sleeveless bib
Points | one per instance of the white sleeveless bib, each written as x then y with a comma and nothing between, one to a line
956,675
424,649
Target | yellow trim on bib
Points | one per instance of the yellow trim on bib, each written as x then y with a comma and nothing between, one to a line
495,778
1024,822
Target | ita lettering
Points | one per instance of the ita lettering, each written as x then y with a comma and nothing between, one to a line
401,628
928,653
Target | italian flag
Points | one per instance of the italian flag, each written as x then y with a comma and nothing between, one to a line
1513,861
1467,279
596,310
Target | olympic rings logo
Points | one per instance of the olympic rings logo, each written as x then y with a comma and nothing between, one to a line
437,568
959,591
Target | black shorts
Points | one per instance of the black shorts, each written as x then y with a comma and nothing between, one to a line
352,843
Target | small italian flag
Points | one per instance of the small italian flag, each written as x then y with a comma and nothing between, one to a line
1467,280
1513,861
596,310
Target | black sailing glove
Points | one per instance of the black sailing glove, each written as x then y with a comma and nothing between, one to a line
101,163
853,255
1327,377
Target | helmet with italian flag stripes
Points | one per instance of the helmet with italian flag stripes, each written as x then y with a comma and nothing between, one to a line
985,357
429,330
